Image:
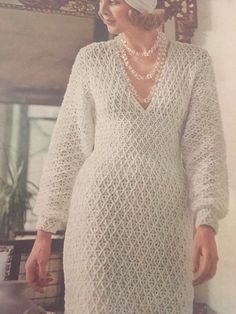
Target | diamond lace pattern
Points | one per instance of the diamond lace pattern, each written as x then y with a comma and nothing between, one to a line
128,184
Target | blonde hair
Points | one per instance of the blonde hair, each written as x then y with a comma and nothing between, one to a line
147,21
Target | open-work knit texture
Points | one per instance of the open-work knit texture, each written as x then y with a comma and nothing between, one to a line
128,184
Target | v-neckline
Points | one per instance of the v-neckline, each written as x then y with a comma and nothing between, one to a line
154,88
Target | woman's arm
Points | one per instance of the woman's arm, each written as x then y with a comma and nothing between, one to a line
204,160
203,148
71,143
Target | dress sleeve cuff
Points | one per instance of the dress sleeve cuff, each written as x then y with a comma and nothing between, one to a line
207,217
49,224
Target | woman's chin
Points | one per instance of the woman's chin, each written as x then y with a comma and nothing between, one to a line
111,29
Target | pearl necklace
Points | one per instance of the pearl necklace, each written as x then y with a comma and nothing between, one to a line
133,52
161,61
158,64
147,99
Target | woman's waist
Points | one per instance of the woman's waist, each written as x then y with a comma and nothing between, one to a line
137,154
134,165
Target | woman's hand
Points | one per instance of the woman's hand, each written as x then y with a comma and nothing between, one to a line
36,264
204,255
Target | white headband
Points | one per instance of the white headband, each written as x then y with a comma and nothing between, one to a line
143,5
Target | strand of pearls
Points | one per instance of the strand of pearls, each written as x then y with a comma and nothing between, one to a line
157,66
141,99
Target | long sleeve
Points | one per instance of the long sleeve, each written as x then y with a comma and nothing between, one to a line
71,143
203,148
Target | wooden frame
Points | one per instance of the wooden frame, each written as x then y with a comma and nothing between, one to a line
184,12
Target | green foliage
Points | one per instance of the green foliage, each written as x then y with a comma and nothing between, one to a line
15,196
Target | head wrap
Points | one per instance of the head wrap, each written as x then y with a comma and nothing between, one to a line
143,5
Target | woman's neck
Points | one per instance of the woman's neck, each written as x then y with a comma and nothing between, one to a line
140,40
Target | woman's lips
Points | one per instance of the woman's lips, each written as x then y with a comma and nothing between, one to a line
108,22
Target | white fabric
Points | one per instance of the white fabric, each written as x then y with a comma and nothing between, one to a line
143,5
130,182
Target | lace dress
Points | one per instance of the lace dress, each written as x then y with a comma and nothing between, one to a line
129,184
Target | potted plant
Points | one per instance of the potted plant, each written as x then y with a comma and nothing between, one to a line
15,196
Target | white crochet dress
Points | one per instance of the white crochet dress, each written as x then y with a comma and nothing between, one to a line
128,184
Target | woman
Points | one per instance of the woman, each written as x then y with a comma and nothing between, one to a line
136,161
